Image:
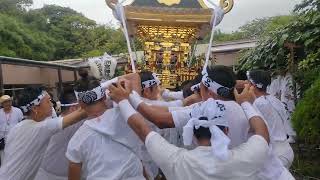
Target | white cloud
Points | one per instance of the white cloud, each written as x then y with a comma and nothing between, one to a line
247,10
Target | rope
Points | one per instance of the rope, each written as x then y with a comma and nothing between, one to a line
123,19
215,13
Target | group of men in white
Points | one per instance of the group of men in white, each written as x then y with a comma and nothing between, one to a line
128,128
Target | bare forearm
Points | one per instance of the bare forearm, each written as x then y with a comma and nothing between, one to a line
134,119
135,82
161,117
139,126
259,127
195,98
74,171
257,124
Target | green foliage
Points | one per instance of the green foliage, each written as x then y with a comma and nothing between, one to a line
262,27
221,37
17,40
306,118
53,33
271,53
14,6
252,30
119,72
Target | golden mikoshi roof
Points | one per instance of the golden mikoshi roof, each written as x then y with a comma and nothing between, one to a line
183,20
189,17
199,4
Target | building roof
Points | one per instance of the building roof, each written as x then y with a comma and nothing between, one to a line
199,4
33,63
72,62
234,46
79,63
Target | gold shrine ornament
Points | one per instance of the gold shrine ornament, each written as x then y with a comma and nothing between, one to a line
169,2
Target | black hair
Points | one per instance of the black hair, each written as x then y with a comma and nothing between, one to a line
184,83
261,77
87,84
203,132
27,95
83,73
224,76
187,89
145,76
67,97
241,75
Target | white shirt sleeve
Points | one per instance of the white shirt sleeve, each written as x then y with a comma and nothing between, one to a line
52,125
172,95
162,152
181,117
20,115
177,103
74,151
253,153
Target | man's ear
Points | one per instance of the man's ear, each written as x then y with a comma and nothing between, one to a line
82,105
74,108
34,109
147,92
135,81
211,94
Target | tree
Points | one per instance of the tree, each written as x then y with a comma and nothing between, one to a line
13,6
252,30
262,27
271,54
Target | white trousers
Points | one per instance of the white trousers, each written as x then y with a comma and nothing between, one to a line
286,175
284,152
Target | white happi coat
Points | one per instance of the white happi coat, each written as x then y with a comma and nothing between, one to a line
167,95
171,134
280,88
237,120
8,121
26,144
244,163
107,148
276,117
55,165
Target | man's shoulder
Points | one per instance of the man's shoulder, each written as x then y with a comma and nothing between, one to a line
17,109
256,145
83,133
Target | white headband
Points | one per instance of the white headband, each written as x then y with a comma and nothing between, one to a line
90,96
212,85
68,105
195,87
259,85
151,82
214,111
26,108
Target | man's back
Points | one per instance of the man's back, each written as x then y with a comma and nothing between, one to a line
101,157
54,162
245,161
25,146
238,123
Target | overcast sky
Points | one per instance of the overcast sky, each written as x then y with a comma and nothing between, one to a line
242,12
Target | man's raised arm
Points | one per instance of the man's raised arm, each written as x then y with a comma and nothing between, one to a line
257,124
137,123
